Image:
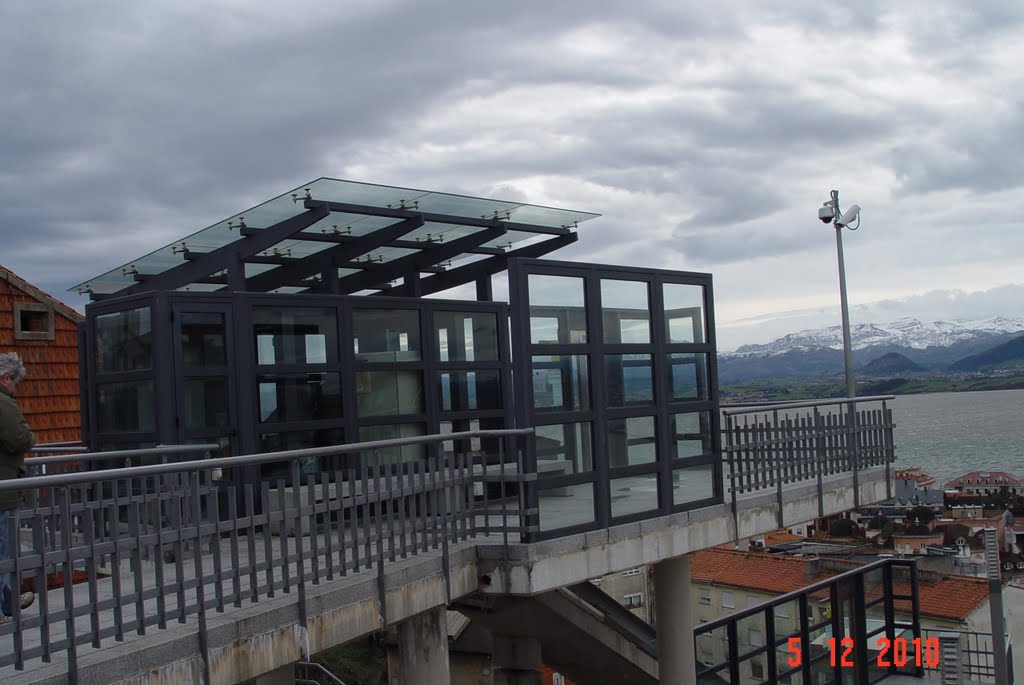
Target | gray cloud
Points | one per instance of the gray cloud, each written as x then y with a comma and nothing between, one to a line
706,135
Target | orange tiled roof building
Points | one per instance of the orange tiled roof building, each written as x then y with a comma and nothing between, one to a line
44,333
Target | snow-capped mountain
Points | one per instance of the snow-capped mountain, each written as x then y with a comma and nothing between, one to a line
907,333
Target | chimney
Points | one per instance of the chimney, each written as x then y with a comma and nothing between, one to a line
811,569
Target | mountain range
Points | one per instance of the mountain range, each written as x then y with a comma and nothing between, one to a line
947,346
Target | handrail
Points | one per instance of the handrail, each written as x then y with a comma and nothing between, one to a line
806,590
769,406
246,459
159,450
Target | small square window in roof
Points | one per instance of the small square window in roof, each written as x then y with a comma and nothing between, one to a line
357,236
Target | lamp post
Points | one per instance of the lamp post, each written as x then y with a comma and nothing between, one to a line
829,213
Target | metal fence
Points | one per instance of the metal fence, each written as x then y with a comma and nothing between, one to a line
842,629
768,446
126,550
975,661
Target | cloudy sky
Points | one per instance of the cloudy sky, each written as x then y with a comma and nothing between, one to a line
707,134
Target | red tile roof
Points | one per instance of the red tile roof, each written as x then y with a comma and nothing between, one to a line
998,478
948,597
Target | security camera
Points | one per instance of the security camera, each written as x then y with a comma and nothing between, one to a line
826,213
848,217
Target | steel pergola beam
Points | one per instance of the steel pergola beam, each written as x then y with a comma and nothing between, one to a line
230,257
485,267
431,217
435,253
331,258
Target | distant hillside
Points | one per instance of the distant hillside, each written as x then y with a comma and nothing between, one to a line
891,364
818,353
1010,353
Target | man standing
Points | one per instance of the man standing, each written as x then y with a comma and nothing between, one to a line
15,440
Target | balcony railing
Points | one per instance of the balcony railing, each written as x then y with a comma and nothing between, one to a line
859,626
127,550
768,446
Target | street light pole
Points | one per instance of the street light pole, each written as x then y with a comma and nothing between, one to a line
851,386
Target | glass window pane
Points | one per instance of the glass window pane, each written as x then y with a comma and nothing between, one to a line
392,455
564,448
631,441
297,335
124,341
625,311
466,336
566,506
691,434
125,407
203,339
381,393
206,402
634,494
299,440
629,379
688,376
470,390
684,313
557,310
487,445
561,382
386,335
693,484
299,397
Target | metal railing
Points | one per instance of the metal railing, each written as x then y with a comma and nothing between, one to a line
826,632
768,446
976,659
126,550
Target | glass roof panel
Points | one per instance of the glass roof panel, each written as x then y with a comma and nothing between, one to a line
291,203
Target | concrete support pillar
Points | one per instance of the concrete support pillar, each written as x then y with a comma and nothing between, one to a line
516,660
423,649
677,663
282,676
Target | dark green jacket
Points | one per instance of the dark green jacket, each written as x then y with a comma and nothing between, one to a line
15,440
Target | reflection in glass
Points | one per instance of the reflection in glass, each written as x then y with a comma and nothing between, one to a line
634,494
466,336
206,402
688,376
476,444
469,390
295,335
691,434
392,455
561,382
299,440
692,484
557,310
631,441
684,313
566,506
203,339
386,335
629,379
564,448
380,393
625,311
125,407
299,397
124,341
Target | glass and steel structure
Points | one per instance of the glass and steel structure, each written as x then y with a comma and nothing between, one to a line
305,322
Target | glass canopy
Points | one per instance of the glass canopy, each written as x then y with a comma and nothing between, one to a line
353,215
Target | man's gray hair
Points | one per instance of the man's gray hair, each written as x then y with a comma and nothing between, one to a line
10,363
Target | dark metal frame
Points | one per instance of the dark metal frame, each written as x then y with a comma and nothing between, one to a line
848,587
242,369
598,414
318,272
